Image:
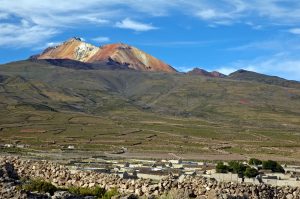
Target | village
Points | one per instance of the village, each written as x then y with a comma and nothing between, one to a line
179,168
159,169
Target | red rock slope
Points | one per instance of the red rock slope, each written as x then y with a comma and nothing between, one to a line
133,58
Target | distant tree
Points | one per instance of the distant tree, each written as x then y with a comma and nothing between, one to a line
251,172
254,161
237,167
273,166
221,168
279,168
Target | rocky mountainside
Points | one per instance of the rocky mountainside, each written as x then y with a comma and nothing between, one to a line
245,75
202,72
43,85
113,54
95,109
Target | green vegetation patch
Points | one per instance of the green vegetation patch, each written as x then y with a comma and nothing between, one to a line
40,186
85,191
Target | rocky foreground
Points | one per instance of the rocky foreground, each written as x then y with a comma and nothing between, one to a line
12,169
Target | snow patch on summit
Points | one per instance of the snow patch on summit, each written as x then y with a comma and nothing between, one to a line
84,51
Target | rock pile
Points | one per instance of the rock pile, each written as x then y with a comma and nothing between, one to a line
9,181
185,186
10,186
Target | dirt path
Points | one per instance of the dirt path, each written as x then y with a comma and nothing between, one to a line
210,157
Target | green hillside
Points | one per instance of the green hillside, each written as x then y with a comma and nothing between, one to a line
257,77
50,107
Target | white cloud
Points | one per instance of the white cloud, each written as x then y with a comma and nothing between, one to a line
260,45
134,25
34,22
277,44
47,45
94,19
102,11
177,43
57,13
23,34
52,44
4,15
207,14
101,39
281,64
295,31
227,12
55,16
52,17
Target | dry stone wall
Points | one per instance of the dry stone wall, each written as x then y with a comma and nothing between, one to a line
184,186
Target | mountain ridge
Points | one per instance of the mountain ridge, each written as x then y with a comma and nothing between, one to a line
109,109
245,75
77,54
202,72
122,54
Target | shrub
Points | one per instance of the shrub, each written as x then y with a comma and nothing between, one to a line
251,172
39,186
237,167
94,191
109,194
279,168
254,161
272,165
221,168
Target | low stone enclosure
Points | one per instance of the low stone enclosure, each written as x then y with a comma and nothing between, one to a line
188,186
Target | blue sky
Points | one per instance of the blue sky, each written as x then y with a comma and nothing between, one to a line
223,35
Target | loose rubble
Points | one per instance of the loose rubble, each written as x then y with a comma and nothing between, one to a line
14,168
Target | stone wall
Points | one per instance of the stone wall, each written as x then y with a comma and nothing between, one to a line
194,187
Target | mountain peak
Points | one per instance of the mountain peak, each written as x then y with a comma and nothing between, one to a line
202,72
75,39
119,53
242,71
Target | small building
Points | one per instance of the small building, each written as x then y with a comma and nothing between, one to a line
22,146
178,166
158,165
179,161
71,147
